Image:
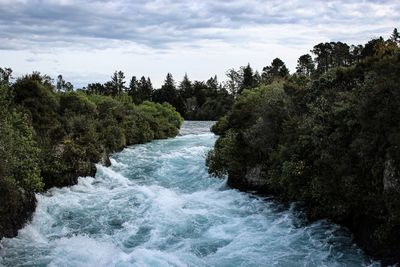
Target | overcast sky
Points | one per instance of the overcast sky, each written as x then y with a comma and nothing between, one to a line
87,40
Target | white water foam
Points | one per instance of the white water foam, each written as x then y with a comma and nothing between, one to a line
157,206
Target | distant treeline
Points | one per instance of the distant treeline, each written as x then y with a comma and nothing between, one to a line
193,100
209,100
327,136
50,137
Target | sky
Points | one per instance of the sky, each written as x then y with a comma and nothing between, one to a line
86,41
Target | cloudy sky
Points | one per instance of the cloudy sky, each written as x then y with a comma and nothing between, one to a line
87,40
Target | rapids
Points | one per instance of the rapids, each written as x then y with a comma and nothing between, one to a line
157,206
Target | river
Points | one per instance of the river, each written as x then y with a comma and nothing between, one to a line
157,206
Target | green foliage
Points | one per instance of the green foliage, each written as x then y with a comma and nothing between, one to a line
193,100
163,119
277,70
34,94
330,141
257,112
19,164
220,160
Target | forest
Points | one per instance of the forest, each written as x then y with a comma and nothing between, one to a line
326,136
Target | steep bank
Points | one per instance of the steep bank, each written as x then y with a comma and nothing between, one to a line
49,139
330,142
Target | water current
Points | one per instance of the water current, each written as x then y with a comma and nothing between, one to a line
157,206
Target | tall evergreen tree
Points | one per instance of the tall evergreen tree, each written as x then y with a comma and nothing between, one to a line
168,93
133,90
117,83
186,87
248,80
212,86
199,91
145,89
305,65
322,52
276,70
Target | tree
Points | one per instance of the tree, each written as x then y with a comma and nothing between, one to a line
340,54
199,90
322,52
305,65
133,90
96,88
145,89
168,93
68,87
60,83
248,79
331,55
234,81
212,86
63,86
257,78
395,37
44,79
185,87
277,70
117,83
371,48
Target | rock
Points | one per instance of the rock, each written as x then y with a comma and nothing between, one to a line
252,180
17,208
105,159
254,176
391,178
59,150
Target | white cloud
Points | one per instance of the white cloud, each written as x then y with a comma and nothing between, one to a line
88,40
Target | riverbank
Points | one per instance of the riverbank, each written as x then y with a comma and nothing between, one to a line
49,139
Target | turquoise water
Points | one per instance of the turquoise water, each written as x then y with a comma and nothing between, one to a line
157,206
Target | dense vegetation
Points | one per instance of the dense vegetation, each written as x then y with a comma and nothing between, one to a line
327,136
50,137
193,100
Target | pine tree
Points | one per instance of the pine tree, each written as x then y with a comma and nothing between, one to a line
305,65
144,89
248,78
277,69
117,83
133,90
185,87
